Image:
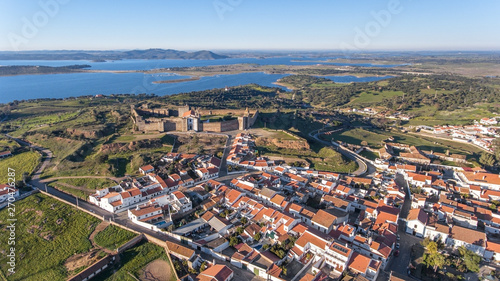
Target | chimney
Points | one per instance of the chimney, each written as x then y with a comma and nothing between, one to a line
484,177
137,208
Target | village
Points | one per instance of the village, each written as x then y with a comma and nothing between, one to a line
280,222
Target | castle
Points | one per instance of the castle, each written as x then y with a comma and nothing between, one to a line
185,119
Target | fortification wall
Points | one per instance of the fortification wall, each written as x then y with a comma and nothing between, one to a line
211,127
252,119
229,125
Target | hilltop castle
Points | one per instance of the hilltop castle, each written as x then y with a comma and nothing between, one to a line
185,119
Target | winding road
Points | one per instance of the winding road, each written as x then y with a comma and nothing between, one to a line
363,167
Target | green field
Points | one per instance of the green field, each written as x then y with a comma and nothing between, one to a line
369,154
133,261
47,233
375,138
89,183
60,147
24,162
357,135
7,144
372,97
113,237
82,187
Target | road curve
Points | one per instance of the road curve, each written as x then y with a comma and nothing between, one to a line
362,166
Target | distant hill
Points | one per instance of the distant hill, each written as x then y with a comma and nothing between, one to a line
110,55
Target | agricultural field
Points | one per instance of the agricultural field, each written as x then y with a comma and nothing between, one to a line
137,262
54,240
24,162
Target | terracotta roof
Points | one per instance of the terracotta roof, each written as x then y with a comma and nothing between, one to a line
252,229
207,216
219,272
359,262
483,177
467,235
307,237
308,277
232,195
145,209
274,270
493,246
277,199
111,194
324,218
180,249
147,168
418,214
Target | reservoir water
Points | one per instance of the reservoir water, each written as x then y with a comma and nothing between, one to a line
22,87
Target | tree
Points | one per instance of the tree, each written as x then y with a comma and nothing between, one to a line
239,230
487,159
244,220
233,241
432,258
283,270
257,236
265,246
470,259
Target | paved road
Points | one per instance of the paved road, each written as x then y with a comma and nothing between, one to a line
363,167
223,164
45,152
400,264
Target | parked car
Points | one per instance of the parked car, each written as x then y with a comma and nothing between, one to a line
396,253
397,245
398,237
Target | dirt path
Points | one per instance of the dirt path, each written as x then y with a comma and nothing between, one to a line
98,229
115,179
76,187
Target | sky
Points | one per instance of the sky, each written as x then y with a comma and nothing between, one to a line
249,25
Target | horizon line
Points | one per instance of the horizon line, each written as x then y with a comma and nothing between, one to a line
264,50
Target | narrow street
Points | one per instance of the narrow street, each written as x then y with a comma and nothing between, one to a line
400,264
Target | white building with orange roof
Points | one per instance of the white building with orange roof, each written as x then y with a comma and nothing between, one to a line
483,179
492,251
337,256
364,265
416,222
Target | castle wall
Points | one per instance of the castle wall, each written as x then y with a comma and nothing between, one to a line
212,127
229,125
252,119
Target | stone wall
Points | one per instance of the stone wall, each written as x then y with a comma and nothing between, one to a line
212,127
229,125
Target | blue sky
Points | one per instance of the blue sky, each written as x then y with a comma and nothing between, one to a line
250,24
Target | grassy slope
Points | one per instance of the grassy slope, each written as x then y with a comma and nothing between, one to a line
112,237
39,259
375,137
21,163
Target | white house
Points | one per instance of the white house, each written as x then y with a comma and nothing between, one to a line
416,222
